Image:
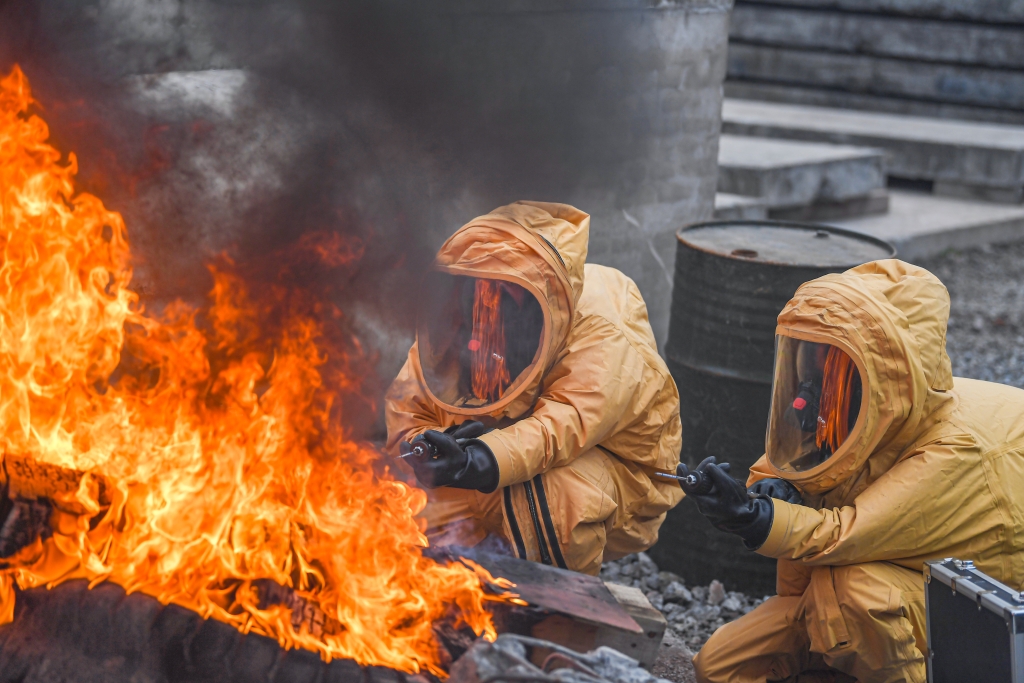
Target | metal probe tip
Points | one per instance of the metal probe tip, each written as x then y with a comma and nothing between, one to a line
417,450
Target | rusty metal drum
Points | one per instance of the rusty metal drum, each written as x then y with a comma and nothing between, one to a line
732,278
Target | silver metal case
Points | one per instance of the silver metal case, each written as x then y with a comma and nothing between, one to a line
975,625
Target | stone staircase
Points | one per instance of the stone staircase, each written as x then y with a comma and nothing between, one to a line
925,184
961,59
803,180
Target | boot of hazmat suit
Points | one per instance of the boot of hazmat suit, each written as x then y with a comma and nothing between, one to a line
534,403
897,462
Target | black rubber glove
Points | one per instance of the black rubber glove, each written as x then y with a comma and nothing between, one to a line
729,507
780,489
460,459
470,429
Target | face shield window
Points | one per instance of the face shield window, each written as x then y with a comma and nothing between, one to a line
816,398
477,337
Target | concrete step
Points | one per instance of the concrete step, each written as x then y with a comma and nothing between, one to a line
952,83
734,207
786,173
922,225
819,97
908,38
986,11
961,158
874,203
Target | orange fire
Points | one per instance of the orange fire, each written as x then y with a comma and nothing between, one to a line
490,373
208,456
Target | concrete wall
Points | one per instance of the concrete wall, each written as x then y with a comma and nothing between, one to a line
958,59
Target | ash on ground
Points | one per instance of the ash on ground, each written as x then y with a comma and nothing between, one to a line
986,322
693,612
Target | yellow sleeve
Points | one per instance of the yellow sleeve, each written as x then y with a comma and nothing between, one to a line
936,503
584,399
407,411
759,471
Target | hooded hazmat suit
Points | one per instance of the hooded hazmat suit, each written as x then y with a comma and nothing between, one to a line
578,435
933,467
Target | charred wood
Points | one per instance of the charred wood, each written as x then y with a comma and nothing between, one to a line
77,635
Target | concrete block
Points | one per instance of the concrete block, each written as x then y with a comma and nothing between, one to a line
675,661
981,154
734,207
909,38
882,76
787,173
642,647
874,203
992,11
1000,195
823,97
922,225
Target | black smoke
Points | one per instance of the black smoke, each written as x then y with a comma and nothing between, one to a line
239,126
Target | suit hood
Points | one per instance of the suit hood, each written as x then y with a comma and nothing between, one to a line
539,246
890,317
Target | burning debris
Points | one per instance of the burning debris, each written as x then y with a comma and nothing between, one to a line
198,453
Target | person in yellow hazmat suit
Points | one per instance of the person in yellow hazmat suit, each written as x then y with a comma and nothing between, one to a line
877,459
534,403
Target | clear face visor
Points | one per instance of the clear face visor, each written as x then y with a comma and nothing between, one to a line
816,399
477,338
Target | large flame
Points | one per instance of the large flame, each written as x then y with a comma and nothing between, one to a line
212,454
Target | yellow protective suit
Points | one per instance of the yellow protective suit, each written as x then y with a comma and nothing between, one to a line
598,412
933,468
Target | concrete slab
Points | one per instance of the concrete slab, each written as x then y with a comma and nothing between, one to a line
734,207
962,152
817,97
786,173
874,203
922,225
911,38
941,82
990,11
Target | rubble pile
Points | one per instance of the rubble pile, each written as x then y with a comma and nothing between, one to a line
693,612
986,323
507,659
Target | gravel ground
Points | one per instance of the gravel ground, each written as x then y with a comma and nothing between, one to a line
986,322
693,612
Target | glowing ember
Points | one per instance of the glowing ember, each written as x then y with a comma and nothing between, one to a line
212,454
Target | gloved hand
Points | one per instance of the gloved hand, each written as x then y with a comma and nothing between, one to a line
779,489
460,459
729,507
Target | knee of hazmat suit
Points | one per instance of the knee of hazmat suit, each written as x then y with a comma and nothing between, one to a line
896,459
555,357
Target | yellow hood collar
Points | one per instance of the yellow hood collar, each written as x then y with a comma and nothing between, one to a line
890,317
539,246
